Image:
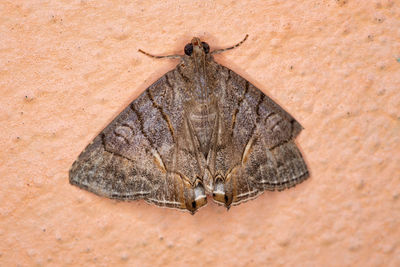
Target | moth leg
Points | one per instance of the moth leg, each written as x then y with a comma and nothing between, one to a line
218,51
150,55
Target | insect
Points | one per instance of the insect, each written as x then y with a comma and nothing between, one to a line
201,129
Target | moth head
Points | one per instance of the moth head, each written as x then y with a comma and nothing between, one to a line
196,47
221,194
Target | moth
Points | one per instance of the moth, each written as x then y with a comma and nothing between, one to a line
201,129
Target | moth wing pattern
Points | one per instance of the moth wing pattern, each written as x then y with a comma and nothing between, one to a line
262,154
200,129
137,155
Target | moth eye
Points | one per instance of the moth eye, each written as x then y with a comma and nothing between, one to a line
206,47
188,49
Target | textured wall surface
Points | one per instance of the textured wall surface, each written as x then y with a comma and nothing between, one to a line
68,67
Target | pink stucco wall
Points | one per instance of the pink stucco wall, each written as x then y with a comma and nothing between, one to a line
68,67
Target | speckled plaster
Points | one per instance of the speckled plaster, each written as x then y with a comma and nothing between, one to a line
68,67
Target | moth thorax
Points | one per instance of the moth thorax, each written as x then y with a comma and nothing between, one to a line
202,95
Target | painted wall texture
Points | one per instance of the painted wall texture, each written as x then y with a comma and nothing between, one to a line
67,68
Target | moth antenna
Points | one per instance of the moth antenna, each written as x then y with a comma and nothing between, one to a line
229,48
150,55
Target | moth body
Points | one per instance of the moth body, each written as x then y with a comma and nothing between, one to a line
201,129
